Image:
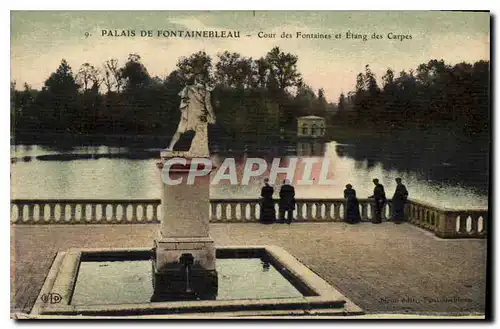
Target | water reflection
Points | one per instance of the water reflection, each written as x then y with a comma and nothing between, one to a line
429,177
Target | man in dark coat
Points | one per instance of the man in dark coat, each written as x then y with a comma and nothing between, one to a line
378,200
267,212
287,201
398,202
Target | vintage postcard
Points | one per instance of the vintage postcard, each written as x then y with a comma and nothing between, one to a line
250,164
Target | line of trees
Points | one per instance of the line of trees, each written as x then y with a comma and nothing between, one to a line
257,98
433,94
254,99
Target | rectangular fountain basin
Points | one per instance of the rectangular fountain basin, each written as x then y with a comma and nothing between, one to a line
253,281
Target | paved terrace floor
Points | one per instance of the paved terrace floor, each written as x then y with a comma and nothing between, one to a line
383,268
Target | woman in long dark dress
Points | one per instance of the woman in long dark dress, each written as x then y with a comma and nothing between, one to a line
267,211
351,211
398,202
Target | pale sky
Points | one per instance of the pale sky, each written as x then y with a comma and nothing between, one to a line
39,40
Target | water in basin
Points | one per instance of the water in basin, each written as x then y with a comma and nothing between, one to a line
123,282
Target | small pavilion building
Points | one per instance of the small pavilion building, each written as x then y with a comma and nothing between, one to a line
311,126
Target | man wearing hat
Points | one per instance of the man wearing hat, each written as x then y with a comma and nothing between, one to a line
379,200
287,201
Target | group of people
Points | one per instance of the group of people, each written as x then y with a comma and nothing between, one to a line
286,203
351,209
352,215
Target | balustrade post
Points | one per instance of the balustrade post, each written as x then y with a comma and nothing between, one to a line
446,225
12,219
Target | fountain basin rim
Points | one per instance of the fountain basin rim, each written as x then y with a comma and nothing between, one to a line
64,271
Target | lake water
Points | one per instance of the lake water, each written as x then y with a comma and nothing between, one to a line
428,179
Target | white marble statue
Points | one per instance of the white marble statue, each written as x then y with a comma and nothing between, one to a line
196,114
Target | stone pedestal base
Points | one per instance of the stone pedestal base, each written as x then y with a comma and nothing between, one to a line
177,285
184,268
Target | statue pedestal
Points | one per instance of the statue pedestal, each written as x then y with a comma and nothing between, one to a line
184,265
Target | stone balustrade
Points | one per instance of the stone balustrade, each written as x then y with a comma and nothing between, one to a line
80,211
445,223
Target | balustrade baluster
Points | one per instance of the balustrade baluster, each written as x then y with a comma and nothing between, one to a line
124,212
308,211
41,212
388,211
336,211
52,212
144,214
93,213
134,212
72,212
62,213
298,207
421,217
232,211
213,211
20,210
364,211
31,210
114,208
12,206
83,214
155,213
317,215
223,211
462,224
328,211
474,224
253,206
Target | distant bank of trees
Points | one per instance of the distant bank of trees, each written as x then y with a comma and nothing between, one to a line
433,94
257,98
254,99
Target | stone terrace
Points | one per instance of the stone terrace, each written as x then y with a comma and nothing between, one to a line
384,268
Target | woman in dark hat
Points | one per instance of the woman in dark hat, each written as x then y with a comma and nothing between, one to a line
267,211
351,209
